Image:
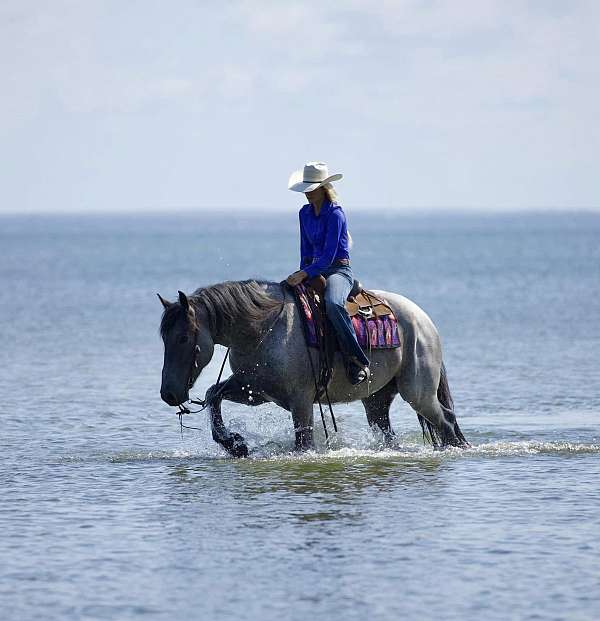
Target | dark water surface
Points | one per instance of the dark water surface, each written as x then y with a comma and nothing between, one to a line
107,513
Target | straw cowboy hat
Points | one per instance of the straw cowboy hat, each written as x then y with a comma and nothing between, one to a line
314,175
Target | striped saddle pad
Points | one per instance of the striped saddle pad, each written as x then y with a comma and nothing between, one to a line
374,330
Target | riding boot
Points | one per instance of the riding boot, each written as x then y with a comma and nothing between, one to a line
357,372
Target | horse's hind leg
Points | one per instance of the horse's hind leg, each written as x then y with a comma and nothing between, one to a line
438,421
430,397
377,407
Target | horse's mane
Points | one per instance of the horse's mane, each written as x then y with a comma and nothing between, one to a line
241,305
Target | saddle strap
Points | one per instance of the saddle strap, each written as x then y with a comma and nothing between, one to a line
368,303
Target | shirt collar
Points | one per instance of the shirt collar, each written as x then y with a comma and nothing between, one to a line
326,207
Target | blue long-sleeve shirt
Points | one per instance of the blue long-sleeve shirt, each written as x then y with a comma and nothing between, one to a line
323,238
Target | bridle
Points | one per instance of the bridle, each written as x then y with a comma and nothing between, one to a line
193,376
191,379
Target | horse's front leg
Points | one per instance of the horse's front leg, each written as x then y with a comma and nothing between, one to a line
302,415
229,390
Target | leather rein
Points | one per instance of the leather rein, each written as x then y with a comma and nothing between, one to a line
193,374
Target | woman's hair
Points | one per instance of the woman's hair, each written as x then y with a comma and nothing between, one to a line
332,195
330,192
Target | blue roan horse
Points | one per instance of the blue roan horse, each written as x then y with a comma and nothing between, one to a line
261,324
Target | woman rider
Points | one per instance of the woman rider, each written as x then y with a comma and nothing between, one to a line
324,251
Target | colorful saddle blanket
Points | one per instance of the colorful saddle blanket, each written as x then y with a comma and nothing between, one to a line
375,325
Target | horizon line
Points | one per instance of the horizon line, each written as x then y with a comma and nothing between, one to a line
407,210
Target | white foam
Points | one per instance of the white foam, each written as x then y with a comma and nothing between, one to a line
280,451
420,452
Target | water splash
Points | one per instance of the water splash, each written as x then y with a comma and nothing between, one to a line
283,451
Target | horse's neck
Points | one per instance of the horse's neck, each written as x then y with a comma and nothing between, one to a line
226,338
235,335
223,335
239,333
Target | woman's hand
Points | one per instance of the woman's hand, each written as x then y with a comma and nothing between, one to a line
296,278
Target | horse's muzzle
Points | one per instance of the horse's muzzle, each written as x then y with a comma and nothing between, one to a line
171,398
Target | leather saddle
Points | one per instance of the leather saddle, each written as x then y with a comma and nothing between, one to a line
366,310
360,301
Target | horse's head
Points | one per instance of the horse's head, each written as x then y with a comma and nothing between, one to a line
188,348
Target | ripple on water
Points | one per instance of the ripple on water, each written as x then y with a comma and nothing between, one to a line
273,451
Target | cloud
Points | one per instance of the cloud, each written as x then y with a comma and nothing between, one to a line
458,103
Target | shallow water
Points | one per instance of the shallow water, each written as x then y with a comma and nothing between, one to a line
108,512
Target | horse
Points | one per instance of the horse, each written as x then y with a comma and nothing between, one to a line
260,323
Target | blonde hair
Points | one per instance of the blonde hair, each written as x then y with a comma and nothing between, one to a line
330,192
332,195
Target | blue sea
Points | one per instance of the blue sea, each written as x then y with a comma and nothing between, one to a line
108,512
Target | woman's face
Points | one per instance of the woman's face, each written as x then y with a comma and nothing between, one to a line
316,195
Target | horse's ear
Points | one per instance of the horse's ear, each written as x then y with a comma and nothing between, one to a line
164,302
185,303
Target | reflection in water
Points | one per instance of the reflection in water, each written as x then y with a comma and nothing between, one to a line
319,504
326,489
336,477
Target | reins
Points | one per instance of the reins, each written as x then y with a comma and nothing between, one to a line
319,391
184,410
203,403
322,358
317,394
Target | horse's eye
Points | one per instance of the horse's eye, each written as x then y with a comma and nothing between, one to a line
183,339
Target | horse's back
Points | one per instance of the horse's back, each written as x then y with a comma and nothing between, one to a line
411,317
421,347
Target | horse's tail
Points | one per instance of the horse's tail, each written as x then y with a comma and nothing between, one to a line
429,432
443,391
445,398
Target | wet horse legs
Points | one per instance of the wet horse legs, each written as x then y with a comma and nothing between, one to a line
230,390
377,407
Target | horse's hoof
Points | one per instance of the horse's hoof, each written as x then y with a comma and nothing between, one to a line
303,448
459,443
453,444
236,445
389,439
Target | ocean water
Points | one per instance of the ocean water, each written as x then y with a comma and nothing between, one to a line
107,512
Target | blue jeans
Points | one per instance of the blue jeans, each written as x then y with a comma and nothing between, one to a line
339,284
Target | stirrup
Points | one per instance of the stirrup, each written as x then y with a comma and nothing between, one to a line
358,374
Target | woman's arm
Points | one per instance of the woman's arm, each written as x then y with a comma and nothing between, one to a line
335,225
306,252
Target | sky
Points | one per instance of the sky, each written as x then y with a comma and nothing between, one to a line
161,106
